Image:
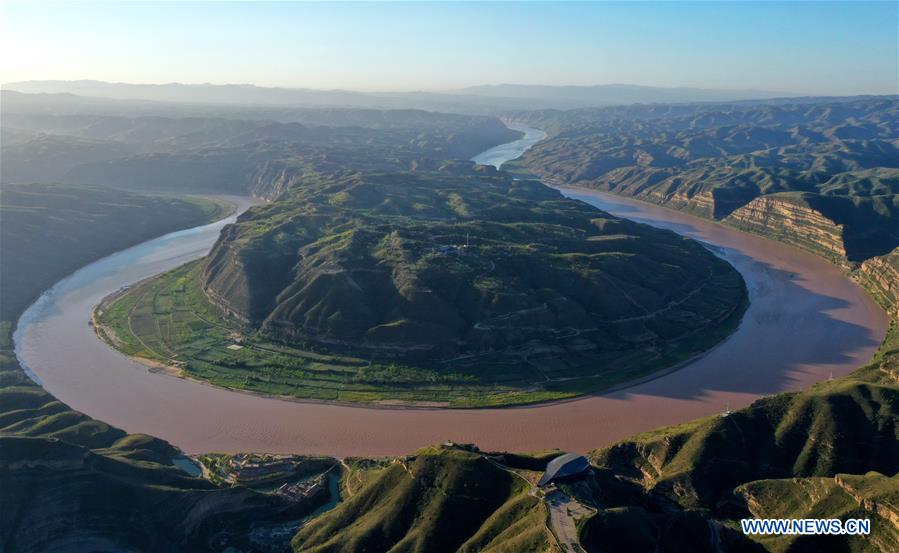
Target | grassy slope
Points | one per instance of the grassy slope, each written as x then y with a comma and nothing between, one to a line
870,496
341,293
438,500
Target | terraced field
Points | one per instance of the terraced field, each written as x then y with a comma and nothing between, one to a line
168,320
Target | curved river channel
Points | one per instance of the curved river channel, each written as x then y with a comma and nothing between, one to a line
806,322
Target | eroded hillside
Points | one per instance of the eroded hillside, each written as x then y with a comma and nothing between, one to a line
452,266
823,175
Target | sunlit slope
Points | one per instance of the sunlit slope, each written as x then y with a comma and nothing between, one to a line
880,276
870,496
438,500
844,426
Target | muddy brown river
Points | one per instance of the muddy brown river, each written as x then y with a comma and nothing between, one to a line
806,322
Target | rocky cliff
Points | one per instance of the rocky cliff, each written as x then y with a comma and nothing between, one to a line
880,276
809,175
790,219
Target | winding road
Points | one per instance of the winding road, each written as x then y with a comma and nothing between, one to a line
806,322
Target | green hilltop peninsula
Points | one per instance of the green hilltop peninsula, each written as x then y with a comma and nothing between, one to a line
450,289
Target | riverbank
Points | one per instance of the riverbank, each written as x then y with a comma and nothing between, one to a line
221,209
168,321
116,328
65,224
810,318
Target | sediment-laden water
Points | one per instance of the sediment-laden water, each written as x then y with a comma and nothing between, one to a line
807,321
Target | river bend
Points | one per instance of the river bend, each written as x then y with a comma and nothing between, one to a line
806,322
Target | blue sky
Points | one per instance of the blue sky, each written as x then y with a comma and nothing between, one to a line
809,47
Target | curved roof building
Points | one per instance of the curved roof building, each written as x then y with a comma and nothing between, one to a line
564,466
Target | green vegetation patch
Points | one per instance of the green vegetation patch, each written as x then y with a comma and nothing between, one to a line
442,499
168,320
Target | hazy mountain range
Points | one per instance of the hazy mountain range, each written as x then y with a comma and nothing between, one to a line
477,98
619,93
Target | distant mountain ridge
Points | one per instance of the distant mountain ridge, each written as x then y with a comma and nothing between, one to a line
199,93
56,141
621,93
482,97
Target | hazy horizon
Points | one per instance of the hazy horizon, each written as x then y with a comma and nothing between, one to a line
397,91
812,48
